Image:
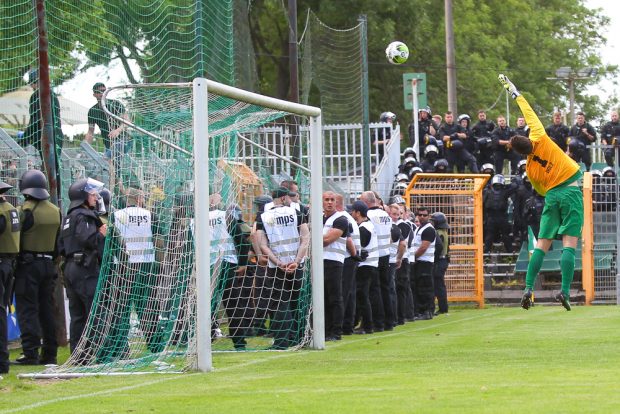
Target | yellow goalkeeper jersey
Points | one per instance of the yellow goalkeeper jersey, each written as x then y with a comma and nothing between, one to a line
547,166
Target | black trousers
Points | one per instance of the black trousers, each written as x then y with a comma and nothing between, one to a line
34,300
413,308
439,284
403,293
387,291
332,288
424,291
392,297
376,297
81,284
364,277
6,287
348,294
263,286
235,290
285,325
500,156
497,225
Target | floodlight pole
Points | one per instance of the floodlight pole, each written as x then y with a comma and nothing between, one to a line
366,142
450,58
416,109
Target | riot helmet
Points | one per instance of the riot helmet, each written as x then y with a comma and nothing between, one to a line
488,168
397,199
608,172
456,145
498,179
34,184
431,151
400,188
4,187
79,191
439,220
521,166
441,165
402,177
408,152
387,117
414,171
464,116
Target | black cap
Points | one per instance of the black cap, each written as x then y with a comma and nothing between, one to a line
98,86
361,207
281,192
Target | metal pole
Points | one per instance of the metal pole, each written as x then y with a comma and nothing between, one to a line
48,145
416,111
571,98
200,53
202,231
292,50
365,103
450,58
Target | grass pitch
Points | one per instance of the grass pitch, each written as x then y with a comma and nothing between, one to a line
496,360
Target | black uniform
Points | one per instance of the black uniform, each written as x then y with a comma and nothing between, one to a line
9,247
495,202
403,283
577,132
519,224
482,134
81,244
610,135
424,130
456,153
35,278
533,211
559,134
442,246
502,152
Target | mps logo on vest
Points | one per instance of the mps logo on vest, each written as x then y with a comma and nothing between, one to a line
384,219
138,220
216,221
284,220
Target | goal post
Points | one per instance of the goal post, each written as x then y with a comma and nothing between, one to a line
201,153
459,197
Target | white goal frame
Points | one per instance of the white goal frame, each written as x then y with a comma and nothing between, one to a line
200,88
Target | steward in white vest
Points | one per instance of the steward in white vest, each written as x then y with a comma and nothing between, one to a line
424,247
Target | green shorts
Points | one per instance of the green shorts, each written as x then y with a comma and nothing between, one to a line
563,213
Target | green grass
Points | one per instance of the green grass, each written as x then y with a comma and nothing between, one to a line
497,360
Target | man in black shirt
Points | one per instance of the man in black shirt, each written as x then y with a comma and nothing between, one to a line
610,134
112,130
482,134
583,132
558,132
503,151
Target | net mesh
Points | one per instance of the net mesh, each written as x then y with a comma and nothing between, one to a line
332,68
143,317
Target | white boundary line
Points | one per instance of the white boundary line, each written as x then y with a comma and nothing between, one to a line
284,354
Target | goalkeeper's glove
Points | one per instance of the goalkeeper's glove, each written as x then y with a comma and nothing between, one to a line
509,86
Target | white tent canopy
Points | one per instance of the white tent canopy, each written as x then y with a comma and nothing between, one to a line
14,109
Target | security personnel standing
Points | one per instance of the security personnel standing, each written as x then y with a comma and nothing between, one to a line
558,131
9,247
442,248
495,204
610,135
82,240
36,272
424,252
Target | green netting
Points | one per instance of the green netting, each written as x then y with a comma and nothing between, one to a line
332,67
143,318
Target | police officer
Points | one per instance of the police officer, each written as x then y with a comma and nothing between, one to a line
585,133
558,131
470,146
482,134
430,156
606,191
36,273
442,249
81,243
501,141
495,203
9,247
522,128
610,134
452,135
426,128
523,192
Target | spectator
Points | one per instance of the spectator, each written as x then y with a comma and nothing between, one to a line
112,130
503,151
585,134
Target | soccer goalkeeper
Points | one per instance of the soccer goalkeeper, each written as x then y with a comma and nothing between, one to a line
554,175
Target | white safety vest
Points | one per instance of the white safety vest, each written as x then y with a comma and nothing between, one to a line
410,247
222,244
270,205
280,224
373,246
134,227
337,249
355,235
383,227
406,254
429,254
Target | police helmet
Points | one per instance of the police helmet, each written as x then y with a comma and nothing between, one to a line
456,145
488,166
34,184
484,142
414,171
410,160
400,188
387,117
439,220
402,177
521,163
33,76
596,173
608,172
426,109
409,152
498,179
463,116
431,149
397,199
575,146
4,187
430,140
441,165
79,191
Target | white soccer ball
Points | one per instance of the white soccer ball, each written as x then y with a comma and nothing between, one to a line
397,53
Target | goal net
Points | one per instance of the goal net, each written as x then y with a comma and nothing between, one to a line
180,276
